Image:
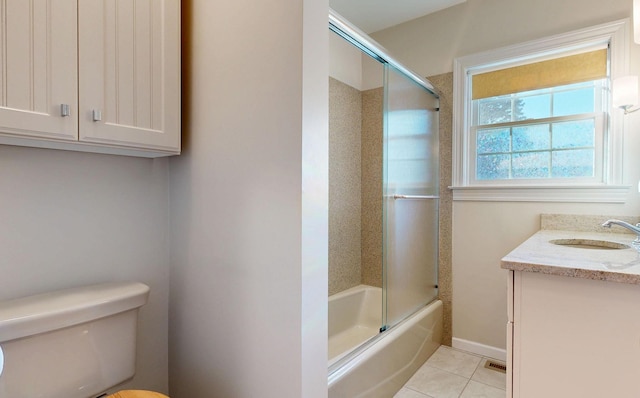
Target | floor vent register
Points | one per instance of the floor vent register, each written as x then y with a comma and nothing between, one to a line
497,366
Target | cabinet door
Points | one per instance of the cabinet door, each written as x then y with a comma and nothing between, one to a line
129,57
575,337
38,68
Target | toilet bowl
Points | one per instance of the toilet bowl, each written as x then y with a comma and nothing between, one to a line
73,343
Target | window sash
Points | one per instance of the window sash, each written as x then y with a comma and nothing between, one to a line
599,141
599,100
599,117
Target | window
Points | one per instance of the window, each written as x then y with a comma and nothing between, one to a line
553,133
534,122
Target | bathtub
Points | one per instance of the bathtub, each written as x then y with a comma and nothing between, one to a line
382,362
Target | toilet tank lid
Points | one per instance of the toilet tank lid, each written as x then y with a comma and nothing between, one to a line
45,312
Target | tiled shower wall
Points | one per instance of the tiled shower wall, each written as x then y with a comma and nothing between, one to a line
355,184
444,84
372,141
345,124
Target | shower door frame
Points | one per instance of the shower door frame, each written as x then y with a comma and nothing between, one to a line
359,39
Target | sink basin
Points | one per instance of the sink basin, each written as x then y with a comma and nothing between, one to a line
589,244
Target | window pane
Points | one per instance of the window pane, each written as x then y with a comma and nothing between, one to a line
535,107
530,165
530,138
573,163
494,140
575,134
493,111
492,167
538,136
574,102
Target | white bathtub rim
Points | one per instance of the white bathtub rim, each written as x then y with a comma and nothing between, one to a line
339,358
361,289
363,353
351,291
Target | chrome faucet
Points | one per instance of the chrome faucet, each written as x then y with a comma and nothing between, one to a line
635,229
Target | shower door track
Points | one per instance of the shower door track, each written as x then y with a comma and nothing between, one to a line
355,36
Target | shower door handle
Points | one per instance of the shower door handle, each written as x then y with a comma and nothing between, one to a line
416,197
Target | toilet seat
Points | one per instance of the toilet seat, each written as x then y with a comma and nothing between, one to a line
137,394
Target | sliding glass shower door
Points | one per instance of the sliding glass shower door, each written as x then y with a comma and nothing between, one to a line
410,188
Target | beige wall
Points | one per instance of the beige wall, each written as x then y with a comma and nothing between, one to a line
429,44
345,61
483,232
248,202
70,219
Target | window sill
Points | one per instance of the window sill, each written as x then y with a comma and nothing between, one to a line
530,193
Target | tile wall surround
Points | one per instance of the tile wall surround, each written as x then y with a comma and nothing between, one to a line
345,120
355,183
444,84
584,223
372,142
371,185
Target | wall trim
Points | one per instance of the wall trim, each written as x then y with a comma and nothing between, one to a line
539,193
479,349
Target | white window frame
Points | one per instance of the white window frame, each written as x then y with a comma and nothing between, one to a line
609,188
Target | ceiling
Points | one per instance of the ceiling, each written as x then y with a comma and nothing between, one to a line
374,15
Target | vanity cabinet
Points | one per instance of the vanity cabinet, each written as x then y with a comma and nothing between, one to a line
572,337
91,75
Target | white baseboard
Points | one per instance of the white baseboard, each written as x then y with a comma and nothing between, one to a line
479,349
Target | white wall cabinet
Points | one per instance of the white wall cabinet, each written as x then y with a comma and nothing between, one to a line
572,337
91,75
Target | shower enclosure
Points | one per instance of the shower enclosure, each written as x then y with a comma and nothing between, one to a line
383,201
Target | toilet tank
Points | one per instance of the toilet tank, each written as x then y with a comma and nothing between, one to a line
73,343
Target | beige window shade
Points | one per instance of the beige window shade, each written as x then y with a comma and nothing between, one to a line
555,72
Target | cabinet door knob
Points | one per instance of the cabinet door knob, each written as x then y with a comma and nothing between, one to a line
97,115
65,110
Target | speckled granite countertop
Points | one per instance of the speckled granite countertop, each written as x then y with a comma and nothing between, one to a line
537,254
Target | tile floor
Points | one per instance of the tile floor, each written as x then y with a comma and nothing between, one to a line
451,373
